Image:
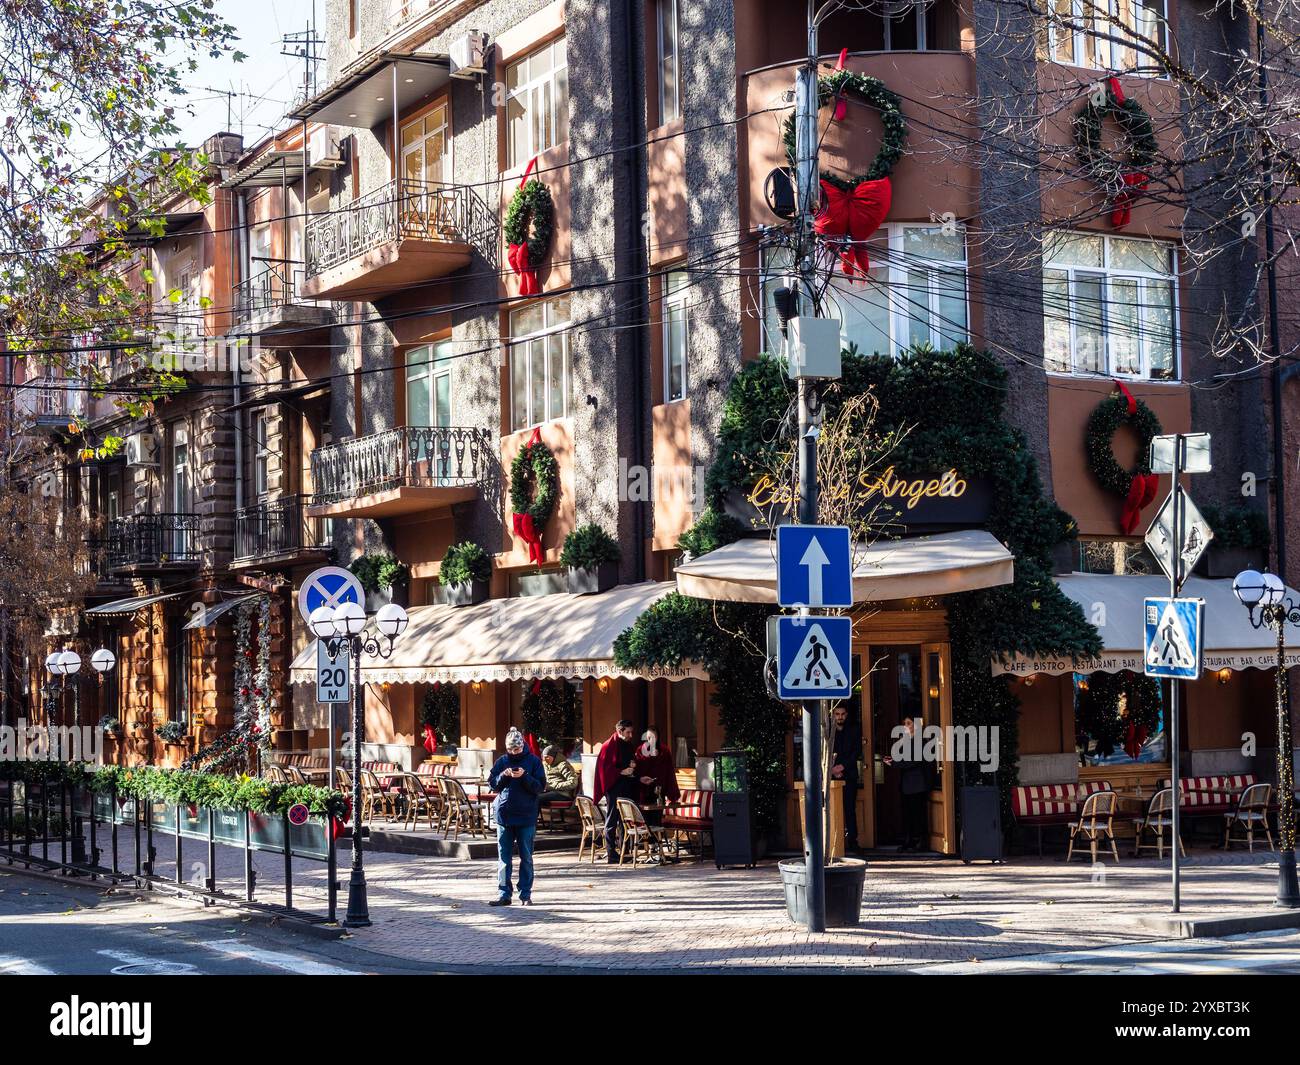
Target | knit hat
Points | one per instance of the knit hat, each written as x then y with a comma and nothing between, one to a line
514,740
551,752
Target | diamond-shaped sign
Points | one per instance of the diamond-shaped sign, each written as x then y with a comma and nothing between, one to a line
1196,531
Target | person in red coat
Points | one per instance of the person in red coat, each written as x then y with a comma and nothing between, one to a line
655,770
615,779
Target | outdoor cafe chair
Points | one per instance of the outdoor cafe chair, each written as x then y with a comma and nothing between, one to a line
460,812
417,802
293,774
342,780
1096,824
593,826
1158,818
275,774
646,840
374,799
1251,814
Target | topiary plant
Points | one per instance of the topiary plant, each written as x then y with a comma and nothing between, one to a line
377,572
588,546
463,563
171,732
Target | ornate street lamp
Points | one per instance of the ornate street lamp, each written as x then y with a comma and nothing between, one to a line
343,629
1264,597
64,664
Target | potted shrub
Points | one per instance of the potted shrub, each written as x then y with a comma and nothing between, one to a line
591,555
464,574
171,732
1241,538
112,726
384,579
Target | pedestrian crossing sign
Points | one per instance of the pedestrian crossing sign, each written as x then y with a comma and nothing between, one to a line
813,655
1173,637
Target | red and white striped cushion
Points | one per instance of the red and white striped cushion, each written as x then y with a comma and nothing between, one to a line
381,767
1038,800
1203,791
701,808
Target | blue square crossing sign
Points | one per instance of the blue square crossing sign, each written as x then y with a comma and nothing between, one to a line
813,657
813,567
1171,645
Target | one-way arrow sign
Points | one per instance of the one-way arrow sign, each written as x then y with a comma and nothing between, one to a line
813,566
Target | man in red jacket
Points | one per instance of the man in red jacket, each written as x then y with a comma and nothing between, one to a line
615,779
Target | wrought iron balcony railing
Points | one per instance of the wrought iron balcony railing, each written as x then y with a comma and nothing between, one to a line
277,286
413,456
402,209
153,540
277,527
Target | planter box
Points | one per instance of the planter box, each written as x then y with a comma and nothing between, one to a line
466,594
1229,561
591,580
398,594
845,880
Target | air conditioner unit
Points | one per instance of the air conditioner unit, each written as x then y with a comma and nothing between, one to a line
469,55
141,449
325,149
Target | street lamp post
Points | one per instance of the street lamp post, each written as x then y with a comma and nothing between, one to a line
64,664
1264,597
343,627
101,662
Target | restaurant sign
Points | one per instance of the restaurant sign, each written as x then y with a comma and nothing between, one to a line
1118,661
895,502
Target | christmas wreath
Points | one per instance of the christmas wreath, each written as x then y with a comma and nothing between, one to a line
1116,710
440,716
550,711
854,207
1126,177
1138,486
530,220
534,487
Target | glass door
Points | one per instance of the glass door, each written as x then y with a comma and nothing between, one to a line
428,404
424,169
937,691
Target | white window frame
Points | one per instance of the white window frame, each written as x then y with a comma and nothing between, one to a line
670,105
182,470
521,346
919,12
1110,274
895,281
262,455
421,145
675,299
1084,46
425,366
524,92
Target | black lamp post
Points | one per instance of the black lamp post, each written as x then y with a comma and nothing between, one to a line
344,629
1264,596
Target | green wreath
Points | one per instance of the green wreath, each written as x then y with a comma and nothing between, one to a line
530,220
1108,703
1109,415
1141,148
871,91
534,483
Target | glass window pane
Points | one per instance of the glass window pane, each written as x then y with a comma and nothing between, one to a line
528,320
519,387
1158,323
517,122
1138,255
674,351
417,402
1064,43
929,243
516,74
560,52
1056,320
952,326
537,379
442,399
863,311
558,311
1074,249
914,306
1089,346
1122,315
539,63
668,94
555,375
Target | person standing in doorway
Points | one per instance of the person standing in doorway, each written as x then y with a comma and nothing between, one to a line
518,780
916,777
616,778
846,749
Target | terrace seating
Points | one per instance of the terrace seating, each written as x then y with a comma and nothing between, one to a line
1211,796
691,816
459,811
1157,819
646,841
1041,806
375,798
593,826
416,801
1250,815
1096,824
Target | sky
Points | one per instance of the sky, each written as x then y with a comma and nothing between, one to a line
266,81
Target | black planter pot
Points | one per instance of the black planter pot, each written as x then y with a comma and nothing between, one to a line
466,594
395,593
1229,561
591,580
845,881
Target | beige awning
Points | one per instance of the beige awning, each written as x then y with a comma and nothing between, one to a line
129,606
942,564
1114,605
545,636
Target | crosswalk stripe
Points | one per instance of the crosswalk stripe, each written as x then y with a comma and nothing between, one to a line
292,963
14,966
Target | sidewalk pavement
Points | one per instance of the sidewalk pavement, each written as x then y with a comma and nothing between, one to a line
692,916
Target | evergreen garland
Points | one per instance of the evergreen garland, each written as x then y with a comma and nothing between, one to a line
530,219
1105,420
1139,152
550,710
873,92
1109,703
534,483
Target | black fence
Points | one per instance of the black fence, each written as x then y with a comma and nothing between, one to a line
65,826
277,527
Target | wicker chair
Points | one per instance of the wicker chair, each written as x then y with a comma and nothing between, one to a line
593,826
342,780
1251,814
460,812
1158,818
416,802
275,773
646,840
1096,824
374,799
294,774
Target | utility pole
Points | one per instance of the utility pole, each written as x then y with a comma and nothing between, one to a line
809,188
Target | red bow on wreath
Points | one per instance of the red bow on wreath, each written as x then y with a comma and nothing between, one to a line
337,823
1134,737
430,740
853,218
1142,489
524,526
517,254
1134,182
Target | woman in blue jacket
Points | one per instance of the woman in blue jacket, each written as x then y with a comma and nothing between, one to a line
518,779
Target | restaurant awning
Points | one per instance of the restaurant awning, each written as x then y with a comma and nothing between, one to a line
207,614
129,606
363,97
942,564
1114,605
544,636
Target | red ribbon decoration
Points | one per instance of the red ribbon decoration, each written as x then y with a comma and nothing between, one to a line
530,741
1120,386
1142,489
524,526
853,218
1121,208
517,254
336,823
1135,736
841,104
430,740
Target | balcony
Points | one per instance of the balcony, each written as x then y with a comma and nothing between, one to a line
278,531
49,403
148,543
404,233
400,471
96,562
272,302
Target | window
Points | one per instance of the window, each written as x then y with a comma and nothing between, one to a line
424,148
262,455
180,470
539,363
537,102
1078,33
428,385
683,708
1108,306
676,335
915,292
670,103
179,663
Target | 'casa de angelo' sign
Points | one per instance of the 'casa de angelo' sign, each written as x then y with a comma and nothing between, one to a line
896,502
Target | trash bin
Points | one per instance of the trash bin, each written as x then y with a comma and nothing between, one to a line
981,823
733,825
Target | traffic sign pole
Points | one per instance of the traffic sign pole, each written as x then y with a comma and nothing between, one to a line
1175,586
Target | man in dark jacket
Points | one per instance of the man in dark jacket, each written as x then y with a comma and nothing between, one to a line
846,749
916,778
518,780
616,778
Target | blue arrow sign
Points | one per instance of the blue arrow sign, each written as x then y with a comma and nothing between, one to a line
813,566
813,656
1173,629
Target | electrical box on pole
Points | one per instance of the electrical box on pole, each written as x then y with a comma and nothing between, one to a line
813,348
